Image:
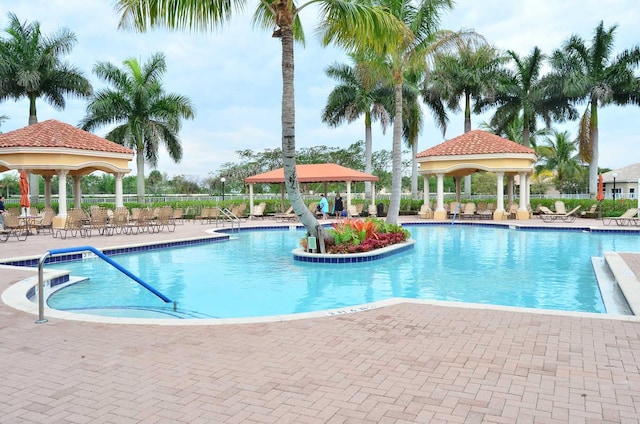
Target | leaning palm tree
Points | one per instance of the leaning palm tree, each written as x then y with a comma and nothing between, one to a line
467,73
525,92
350,24
361,91
589,72
143,113
422,18
31,67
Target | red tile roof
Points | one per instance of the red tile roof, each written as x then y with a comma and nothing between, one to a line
319,172
476,142
56,134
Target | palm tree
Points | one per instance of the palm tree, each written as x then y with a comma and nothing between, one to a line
524,92
361,92
31,67
2,119
559,155
469,73
589,72
422,19
353,25
143,112
412,115
514,131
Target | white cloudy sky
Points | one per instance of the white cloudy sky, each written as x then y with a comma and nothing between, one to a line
233,75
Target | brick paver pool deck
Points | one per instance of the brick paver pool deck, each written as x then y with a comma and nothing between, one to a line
403,363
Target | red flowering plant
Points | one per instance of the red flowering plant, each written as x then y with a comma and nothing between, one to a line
356,235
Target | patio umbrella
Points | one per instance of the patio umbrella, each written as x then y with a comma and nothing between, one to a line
600,195
24,190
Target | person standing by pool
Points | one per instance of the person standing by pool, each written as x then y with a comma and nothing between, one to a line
2,211
323,206
338,206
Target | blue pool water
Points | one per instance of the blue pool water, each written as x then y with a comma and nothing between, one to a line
254,274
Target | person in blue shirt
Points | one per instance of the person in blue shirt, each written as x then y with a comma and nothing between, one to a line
323,206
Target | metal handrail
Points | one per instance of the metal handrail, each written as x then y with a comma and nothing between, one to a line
43,258
231,217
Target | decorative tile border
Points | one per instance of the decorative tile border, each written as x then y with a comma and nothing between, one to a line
33,262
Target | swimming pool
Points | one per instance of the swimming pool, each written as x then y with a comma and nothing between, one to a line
254,274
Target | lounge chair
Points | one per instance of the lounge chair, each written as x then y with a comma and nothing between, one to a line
543,210
591,213
205,215
564,217
73,223
454,208
560,207
178,216
425,211
46,223
469,210
98,221
13,227
487,210
624,219
258,211
288,215
372,211
352,211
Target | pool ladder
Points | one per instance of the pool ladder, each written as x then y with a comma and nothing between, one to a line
228,215
43,258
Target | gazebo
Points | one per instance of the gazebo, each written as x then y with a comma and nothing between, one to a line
314,173
479,151
53,148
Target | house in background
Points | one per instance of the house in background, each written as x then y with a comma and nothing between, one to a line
623,182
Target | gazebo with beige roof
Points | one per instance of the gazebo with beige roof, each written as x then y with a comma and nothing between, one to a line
53,148
479,151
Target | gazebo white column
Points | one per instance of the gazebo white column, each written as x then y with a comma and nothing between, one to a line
510,185
523,213
426,194
499,212
77,190
348,196
62,193
119,196
373,192
47,190
251,199
440,213
458,181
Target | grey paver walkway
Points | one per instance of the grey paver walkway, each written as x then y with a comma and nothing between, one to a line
406,363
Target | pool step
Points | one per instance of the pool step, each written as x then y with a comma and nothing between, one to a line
614,300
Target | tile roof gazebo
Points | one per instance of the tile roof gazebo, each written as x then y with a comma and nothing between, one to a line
313,173
52,147
478,151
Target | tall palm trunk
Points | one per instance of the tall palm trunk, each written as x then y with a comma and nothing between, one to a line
368,146
467,128
414,169
396,151
593,165
140,176
289,139
526,133
34,181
